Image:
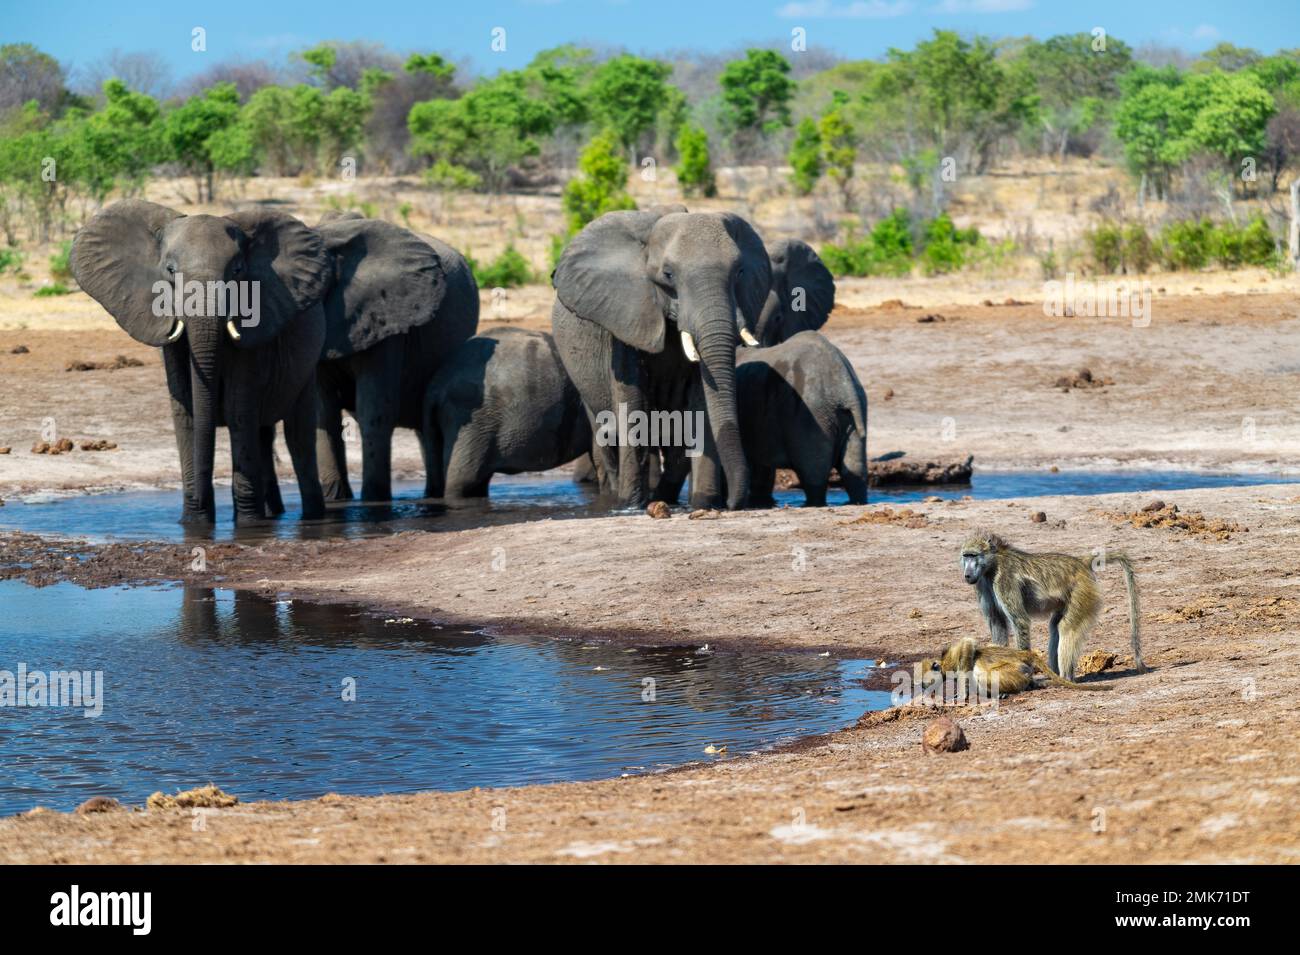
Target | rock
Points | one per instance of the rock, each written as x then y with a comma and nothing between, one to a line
5,450
1094,661
1084,375
943,736
704,514
1054,469
99,444
98,804
893,303
1153,506
901,471
20,350
203,797
928,319
658,510
121,361
1038,517
889,394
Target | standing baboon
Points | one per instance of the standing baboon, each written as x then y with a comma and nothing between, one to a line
1014,585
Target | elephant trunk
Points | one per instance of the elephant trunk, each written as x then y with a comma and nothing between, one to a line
717,350
205,339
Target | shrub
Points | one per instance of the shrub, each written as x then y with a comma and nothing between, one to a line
946,246
60,267
1105,247
805,157
508,270
451,178
1186,245
600,185
55,288
11,260
1139,251
694,169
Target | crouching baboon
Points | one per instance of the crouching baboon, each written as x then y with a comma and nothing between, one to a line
999,669
1013,585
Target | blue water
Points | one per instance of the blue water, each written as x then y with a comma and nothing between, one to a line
247,693
152,515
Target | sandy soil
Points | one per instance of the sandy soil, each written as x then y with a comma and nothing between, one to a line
1192,762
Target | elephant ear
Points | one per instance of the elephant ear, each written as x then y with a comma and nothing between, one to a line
387,281
288,261
602,278
756,274
115,261
804,269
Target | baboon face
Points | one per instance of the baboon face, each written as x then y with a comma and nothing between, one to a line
977,556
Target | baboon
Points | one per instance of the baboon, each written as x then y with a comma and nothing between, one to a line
1013,585
1011,671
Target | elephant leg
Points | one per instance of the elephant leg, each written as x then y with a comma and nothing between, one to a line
377,407
633,456
271,483
247,486
300,434
176,363
708,484
467,461
814,495
331,452
762,480
676,468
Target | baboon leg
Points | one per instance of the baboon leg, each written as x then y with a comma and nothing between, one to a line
1079,618
1012,603
992,613
1054,639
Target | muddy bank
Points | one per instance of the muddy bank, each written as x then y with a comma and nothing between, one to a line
1192,762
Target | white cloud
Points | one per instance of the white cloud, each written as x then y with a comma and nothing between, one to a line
983,6
856,10
1206,32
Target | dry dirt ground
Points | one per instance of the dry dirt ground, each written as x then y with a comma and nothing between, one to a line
1193,762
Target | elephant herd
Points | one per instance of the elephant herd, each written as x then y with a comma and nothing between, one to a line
362,315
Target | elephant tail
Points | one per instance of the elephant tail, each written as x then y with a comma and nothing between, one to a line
853,460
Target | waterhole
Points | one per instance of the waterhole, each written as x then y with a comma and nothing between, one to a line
289,699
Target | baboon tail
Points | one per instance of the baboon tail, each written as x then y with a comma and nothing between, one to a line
1133,611
1070,684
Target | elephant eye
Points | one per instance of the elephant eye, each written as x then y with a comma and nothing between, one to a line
668,275
171,268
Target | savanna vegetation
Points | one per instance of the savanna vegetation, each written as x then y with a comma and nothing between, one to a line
876,146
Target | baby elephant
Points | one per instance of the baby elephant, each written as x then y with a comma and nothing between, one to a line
802,407
500,404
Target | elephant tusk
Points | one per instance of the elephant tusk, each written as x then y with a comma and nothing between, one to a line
230,327
748,338
688,346
177,331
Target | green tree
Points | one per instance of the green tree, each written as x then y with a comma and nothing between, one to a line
489,129
627,93
840,151
430,64
188,130
694,169
756,93
1074,79
1149,124
601,183
806,156
121,142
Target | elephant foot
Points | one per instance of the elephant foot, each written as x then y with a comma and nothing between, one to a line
337,491
193,516
377,492
313,508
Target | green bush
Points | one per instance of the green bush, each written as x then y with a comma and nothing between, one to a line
1186,245
11,260
1139,250
946,246
601,183
1233,247
694,169
56,288
1105,247
449,177
60,267
508,270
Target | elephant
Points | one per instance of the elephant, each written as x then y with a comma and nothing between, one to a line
377,363
501,404
802,294
649,308
226,365
802,407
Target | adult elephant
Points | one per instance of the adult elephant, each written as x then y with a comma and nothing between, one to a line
648,312
410,300
802,293
245,372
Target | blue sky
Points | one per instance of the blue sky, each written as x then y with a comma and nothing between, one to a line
81,31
